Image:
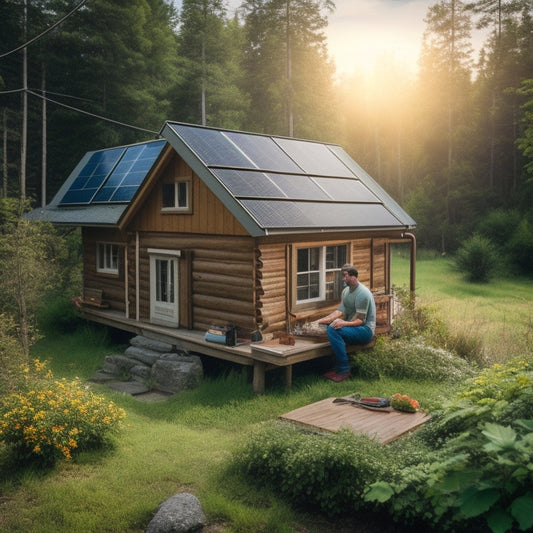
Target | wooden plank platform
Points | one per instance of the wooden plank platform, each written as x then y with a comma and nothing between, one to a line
385,425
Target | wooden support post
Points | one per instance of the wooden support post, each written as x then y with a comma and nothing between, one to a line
259,377
288,376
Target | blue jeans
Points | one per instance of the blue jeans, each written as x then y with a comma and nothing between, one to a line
342,337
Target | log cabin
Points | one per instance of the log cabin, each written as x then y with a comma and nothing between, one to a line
208,227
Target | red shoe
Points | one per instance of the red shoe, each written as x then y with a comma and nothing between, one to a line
330,373
337,378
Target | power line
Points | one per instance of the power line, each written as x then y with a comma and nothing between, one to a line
53,26
91,114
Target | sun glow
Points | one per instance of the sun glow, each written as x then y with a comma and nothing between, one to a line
365,32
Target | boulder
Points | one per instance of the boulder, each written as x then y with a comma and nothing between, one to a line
142,373
181,513
176,373
119,365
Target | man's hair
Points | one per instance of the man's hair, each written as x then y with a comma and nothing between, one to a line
352,271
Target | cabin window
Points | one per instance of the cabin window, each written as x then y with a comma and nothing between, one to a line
319,275
175,196
107,258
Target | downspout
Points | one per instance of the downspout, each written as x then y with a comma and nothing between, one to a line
126,279
136,275
412,266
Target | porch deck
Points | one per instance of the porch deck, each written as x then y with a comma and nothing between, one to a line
262,356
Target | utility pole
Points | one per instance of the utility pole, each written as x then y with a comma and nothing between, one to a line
43,151
24,140
290,117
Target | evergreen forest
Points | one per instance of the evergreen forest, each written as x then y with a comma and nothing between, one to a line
452,144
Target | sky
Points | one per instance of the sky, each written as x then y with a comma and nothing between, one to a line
361,31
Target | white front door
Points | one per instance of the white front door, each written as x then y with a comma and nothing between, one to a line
164,301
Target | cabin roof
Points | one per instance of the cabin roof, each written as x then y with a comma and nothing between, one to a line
271,184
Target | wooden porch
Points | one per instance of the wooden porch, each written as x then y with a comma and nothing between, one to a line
262,356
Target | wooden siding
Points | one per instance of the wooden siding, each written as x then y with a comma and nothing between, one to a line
208,215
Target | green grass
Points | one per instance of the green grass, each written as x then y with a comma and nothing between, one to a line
500,312
185,442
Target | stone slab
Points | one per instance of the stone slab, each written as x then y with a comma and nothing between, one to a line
129,387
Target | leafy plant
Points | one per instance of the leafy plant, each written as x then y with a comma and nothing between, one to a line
477,469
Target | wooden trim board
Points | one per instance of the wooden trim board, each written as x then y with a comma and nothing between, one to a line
385,426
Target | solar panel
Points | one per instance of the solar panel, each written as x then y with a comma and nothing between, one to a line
211,146
263,152
314,158
112,175
91,176
348,190
248,183
298,187
129,173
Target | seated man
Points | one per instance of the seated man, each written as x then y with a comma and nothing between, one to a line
353,322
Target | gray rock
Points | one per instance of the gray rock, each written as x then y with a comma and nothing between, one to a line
119,365
177,375
144,355
151,344
142,373
181,513
129,387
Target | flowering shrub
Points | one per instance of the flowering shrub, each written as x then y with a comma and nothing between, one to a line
401,402
49,419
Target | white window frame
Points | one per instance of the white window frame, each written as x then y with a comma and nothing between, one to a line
322,271
107,258
175,206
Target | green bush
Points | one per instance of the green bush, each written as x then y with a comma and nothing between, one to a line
48,419
498,225
520,247
328,471
60,315
11,356
411,359
476,259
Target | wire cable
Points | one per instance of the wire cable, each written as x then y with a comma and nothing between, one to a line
37,37
91,114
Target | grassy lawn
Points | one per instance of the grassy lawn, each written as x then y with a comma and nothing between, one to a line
500,312
184,443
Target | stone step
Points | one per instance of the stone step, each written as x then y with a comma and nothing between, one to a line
153,345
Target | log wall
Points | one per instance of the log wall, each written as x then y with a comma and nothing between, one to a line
216,279
271,287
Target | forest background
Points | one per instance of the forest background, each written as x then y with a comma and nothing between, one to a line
452,144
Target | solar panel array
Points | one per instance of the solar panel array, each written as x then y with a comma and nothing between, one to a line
112,175
284,182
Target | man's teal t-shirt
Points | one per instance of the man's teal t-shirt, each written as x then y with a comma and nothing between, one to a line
359,302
